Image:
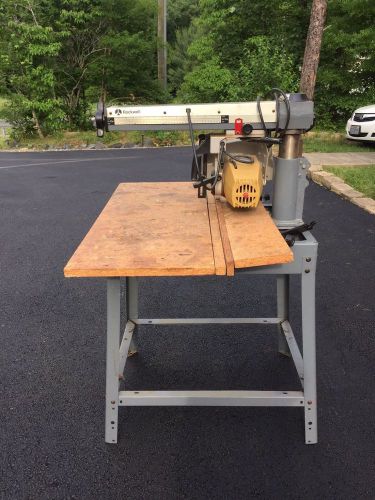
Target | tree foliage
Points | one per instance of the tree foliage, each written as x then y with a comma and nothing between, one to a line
127,66
28,48
250,48
242,49
346,75
57,57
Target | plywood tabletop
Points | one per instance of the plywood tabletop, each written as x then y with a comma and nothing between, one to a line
254,238
147,229
164,229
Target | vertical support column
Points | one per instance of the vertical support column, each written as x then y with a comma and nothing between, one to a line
289,182
309,354
113,344
285,191
132,308
282,285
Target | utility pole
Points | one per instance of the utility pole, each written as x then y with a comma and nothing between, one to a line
162,43
312,48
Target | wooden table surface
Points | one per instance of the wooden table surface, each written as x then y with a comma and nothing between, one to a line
164,229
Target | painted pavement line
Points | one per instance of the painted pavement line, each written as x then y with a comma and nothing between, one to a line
53,162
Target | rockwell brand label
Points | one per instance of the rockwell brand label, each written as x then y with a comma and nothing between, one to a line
131,111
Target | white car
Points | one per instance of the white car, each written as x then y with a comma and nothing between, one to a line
361,125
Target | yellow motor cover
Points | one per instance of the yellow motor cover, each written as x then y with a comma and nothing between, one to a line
243,183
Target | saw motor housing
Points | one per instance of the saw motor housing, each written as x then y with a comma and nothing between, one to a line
242,183
239,168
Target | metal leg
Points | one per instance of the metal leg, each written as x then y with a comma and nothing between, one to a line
112,373
132,309
282,285
309,356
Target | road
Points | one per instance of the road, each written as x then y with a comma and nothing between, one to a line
53,352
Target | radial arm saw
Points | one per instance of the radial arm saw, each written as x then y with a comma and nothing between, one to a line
235,159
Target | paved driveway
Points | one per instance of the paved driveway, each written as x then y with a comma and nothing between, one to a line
53,352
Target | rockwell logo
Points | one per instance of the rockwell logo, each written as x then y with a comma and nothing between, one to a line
131,111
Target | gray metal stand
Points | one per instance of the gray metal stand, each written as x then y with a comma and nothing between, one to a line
113,359
305,254
282,284
132,309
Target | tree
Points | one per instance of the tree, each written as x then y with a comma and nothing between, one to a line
83,22
57,58
244,48
263,66
181,14
182,31
29,48
178,64
128,66
312,50
240,48
346,77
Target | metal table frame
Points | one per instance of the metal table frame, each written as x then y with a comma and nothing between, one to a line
305,255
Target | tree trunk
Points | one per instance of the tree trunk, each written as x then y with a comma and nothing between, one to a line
312,48
37,125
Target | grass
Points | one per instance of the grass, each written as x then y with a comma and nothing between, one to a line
314,141
83,138
333,142
361,178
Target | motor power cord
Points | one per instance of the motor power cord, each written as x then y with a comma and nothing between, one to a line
279,133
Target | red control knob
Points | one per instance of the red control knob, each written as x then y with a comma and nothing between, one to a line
238,123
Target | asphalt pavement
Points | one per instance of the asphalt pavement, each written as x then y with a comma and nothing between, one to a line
52,361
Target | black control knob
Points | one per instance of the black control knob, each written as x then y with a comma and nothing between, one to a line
247,129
